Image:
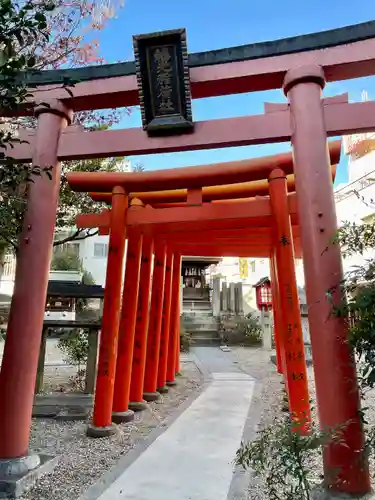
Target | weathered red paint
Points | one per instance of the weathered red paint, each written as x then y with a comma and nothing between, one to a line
141,328
127,325
162,199
21,350
154,327
105,379
340,63
334,367
292,338
165,324
276,310
340,119
174,329
254,212
187,177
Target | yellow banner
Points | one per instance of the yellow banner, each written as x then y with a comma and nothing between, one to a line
244,267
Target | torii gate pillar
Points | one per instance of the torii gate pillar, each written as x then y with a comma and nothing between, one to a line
337,392
165,325
21,352
154,326
101,425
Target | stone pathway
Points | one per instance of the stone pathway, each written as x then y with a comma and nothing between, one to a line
193,458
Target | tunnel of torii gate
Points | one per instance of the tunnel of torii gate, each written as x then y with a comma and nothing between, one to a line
254,218
239,208
250,219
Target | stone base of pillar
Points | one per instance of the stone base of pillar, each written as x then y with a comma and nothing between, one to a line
20,474
101,432
138,405
151,396
163,390
172,383
321,493
122,417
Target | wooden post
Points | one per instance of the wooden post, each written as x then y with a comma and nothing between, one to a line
120,411
137,402
41,362
25,324
295,364
174,321
154,327
101,425
165,326
336,384
276,308
92,356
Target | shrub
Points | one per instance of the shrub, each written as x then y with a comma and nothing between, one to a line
66,261
251,329
284,460
240,330
185,340
74,344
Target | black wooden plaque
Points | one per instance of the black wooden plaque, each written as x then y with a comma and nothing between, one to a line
163,82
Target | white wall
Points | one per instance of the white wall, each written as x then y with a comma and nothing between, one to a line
92,261
355,201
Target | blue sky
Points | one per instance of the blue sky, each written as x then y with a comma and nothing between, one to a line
213,24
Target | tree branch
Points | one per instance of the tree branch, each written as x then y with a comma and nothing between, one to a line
75,237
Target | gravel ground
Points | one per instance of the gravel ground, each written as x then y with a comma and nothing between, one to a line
256,363
84,460
58,378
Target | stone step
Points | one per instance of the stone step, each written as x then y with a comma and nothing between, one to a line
204,340
205,332
197,305
199,320
197,312
201,328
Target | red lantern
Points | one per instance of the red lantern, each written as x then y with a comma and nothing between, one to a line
263,294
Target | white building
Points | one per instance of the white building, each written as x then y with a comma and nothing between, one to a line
92,251
355,201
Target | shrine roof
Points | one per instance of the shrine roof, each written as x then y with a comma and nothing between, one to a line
262,281
73,289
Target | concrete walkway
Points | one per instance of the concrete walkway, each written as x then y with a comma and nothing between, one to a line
193,458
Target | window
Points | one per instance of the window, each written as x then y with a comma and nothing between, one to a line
100,250
265,295
252,266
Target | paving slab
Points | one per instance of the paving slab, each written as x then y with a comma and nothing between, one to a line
193,458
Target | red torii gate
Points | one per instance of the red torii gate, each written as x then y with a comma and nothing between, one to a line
301,67
170,225
248,240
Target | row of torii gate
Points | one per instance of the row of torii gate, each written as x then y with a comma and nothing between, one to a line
237,219
238,208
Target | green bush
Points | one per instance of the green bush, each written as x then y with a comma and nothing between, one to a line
285,460
185,340
74,343
66,261
244,330
251,329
